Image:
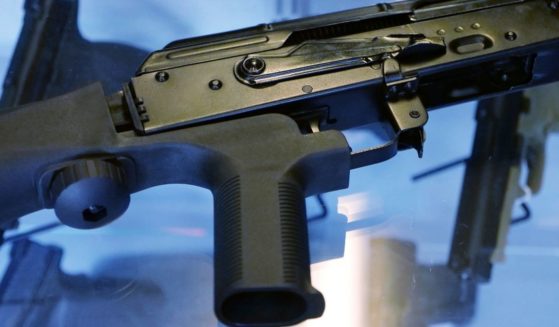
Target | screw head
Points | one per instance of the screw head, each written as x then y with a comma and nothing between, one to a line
441,32
415,114
307,89
459,29
215,84
476,26
162,77
253,65
511,36
94,213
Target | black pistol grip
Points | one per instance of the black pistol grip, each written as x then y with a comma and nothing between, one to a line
262,268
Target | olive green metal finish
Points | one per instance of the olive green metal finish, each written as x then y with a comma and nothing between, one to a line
533,22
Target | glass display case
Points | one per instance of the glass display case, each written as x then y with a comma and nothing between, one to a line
381,250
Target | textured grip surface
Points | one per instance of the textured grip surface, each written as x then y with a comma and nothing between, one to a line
295,249
262,273
228,233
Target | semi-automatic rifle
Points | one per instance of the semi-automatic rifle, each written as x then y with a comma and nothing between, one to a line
256,116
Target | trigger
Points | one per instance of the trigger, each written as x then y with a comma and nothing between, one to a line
412,139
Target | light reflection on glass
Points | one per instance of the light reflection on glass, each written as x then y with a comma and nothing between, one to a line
358,206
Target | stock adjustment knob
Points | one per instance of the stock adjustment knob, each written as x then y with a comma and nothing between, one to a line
89,193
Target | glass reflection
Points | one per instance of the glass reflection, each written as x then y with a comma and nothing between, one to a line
380,255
